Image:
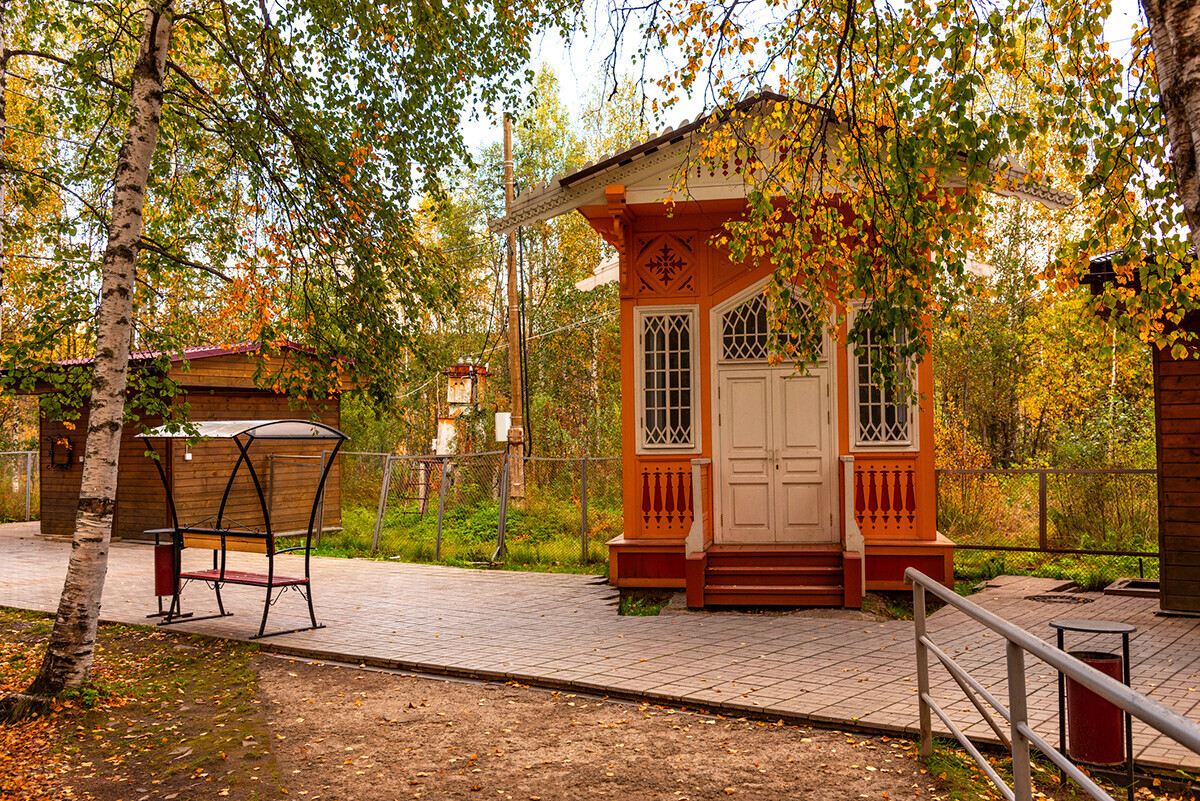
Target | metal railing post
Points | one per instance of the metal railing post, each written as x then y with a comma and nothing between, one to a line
321,508
583,515
437,554
381,509
922,670
271,485
502,518
1019,716
28,481
1043,541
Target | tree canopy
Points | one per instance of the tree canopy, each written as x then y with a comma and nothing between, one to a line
294,139
873,174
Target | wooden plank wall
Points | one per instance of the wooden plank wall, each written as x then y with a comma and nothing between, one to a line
1177,398
59,488
141,500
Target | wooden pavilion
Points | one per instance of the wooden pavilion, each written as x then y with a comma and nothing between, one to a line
744,482
218,383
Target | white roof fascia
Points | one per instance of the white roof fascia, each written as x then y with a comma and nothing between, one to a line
550,200
606,272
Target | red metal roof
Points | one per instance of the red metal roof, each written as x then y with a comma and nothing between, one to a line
195,352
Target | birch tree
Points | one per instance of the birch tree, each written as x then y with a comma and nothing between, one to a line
68,659
264,178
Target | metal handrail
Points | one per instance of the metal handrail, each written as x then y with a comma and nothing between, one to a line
1019,643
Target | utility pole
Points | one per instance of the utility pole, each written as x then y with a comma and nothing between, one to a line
516,431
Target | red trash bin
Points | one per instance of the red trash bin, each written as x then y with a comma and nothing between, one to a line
164,570
1095,726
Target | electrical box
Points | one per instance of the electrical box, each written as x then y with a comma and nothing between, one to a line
446,436
503,423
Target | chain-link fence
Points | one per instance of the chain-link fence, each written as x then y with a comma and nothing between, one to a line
479,507
435,508
19,495
1090,526
570,508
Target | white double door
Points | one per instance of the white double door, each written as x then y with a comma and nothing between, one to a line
776,456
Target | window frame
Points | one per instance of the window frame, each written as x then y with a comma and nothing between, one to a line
692,313
909,444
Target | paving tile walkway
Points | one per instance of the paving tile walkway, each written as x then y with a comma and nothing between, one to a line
563,631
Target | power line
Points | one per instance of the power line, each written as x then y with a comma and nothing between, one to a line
49,258
504,345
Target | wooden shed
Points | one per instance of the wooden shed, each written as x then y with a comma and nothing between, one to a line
218,383
1177,444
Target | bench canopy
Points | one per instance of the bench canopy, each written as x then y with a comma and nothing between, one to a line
252,429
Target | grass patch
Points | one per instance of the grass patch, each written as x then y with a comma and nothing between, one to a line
644,603
957,775
541,536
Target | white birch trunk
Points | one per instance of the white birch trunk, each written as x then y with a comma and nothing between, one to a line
68,661
1175,35
3,138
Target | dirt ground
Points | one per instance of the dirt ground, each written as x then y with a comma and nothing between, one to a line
344,733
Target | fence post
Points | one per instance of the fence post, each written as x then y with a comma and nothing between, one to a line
1043,541
1022,774
382,508
502,518
437,553
922,670
28,481
583,513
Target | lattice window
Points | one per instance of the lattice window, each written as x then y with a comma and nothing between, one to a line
745,330
884,416
668,383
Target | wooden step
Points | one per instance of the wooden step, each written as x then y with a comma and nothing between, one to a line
796,575
772,595
775,559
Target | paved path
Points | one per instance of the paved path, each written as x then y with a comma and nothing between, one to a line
564,631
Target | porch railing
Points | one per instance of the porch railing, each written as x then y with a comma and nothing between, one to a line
700,533
1021,735
885,494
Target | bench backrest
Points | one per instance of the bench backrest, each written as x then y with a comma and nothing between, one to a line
233,542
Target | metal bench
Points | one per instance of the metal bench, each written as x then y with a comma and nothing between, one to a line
223,539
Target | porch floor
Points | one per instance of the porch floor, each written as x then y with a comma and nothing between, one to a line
829,667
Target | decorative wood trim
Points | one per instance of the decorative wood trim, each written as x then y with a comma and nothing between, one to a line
618,236
665,265
885,496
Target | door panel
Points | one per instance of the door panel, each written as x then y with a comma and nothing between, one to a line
775,456
802,426
746,453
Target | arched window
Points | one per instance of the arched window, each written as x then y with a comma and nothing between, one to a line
745,330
